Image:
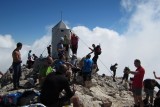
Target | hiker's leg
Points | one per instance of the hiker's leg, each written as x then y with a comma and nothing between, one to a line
75,101
74,50
135,97
151,96
19,74
138,93
84,78
140,101
147,96
15,74
151,100
89,82
114,74
127,77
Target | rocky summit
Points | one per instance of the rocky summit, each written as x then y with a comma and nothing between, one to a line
103,92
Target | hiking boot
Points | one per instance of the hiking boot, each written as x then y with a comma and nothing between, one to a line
114,80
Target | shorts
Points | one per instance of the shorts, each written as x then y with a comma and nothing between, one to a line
137,91
86,76
149,92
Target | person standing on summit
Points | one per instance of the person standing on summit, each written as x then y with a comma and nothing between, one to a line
97,51
74,43
137,83
114,68
49,50
16,65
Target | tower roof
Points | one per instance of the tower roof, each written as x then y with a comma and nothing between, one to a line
60,25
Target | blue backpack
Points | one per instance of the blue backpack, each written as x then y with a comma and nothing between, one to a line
11,99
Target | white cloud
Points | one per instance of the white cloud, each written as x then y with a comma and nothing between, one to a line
141,40
127,5
6,41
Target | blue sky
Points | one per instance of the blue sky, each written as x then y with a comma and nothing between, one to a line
26,20
126,29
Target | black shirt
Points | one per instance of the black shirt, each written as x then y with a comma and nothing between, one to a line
52,87
147,84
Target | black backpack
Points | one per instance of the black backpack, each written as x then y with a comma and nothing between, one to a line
112,68
98,50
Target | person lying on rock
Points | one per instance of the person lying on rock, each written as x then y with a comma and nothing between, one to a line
53,85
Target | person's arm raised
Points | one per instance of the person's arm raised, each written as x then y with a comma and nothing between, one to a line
155,75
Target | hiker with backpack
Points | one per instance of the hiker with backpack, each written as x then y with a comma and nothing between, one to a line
97,51
114,68
87,70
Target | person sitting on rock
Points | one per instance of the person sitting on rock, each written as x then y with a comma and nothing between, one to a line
114,68
45,69
60,61
53,85
87,70
149,85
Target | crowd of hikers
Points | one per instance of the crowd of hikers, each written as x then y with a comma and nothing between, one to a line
57,74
